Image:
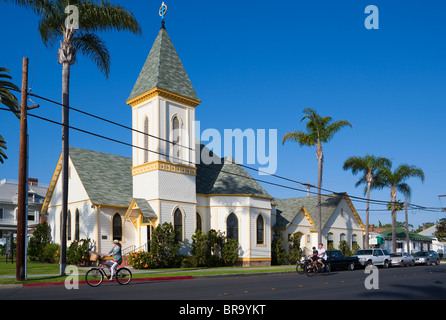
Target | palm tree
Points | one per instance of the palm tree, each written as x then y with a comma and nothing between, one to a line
396,181
56,24
368,165
9,100
319,130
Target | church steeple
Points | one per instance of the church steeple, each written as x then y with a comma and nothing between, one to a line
164,72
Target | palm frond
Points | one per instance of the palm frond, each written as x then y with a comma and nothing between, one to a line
2,146
6,97
94,48
304,139
104,16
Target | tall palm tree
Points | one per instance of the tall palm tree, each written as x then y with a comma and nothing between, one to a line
396,181
368,165
9,100
55,25
319,130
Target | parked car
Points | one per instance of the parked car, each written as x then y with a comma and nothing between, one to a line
337,260
401,259
426,257
376,257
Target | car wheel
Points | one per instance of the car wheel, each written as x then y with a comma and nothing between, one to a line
428,263
351,266
386,264
438,262
412,263
368,263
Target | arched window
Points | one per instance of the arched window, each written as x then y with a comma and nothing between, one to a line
199,222
354,240
232,226
146,139
176,137
76,225
69,225
260,227
117,227
330,241
342,237
178,224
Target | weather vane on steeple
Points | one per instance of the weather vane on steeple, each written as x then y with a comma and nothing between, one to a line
162,12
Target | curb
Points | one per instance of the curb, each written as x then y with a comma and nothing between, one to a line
49,284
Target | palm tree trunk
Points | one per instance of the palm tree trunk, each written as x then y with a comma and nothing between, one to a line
65,155
320,160
367,211
393,196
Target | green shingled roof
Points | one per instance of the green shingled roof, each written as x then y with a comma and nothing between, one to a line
226,178
163,69
401,235
107,178
287,209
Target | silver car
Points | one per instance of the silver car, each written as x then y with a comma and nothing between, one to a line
401,259
426,257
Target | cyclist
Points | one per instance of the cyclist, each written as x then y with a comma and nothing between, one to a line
117,258
314,256
322,255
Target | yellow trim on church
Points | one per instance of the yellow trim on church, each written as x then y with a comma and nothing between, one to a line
164,166
163,93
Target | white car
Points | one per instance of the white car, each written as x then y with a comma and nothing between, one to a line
376,257
401,259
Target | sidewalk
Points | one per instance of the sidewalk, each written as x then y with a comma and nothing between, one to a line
163,275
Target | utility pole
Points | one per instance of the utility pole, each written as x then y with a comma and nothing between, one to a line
23,179
407,227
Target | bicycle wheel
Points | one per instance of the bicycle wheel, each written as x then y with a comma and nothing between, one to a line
300,267
123,276
94,277
327,269
310,270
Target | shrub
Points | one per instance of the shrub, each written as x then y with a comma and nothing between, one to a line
278,254
345,248
163,245
143,260
79,252
38,241
51,253
295,252
229,252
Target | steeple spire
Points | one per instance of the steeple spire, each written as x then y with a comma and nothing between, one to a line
162,13
163,70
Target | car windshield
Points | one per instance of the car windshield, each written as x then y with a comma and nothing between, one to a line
363,252
420,254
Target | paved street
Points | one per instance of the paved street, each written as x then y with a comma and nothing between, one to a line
417,283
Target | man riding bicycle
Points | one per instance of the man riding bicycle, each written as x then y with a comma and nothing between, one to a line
117,258
322,255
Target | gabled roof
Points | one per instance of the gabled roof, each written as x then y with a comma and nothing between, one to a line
287,209
163,69
107,178
228,177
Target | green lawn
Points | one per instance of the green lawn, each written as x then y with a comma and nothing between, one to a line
37,271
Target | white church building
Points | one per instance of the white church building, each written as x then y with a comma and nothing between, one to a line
114,197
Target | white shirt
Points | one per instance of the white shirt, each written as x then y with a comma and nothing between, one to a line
324,255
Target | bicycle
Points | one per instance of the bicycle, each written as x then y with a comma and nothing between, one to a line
302,264
311,269
95,276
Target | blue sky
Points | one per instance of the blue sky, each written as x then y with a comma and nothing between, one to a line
258,64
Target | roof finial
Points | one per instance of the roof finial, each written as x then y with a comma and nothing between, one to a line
162,13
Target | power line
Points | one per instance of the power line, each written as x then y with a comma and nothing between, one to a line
353,198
